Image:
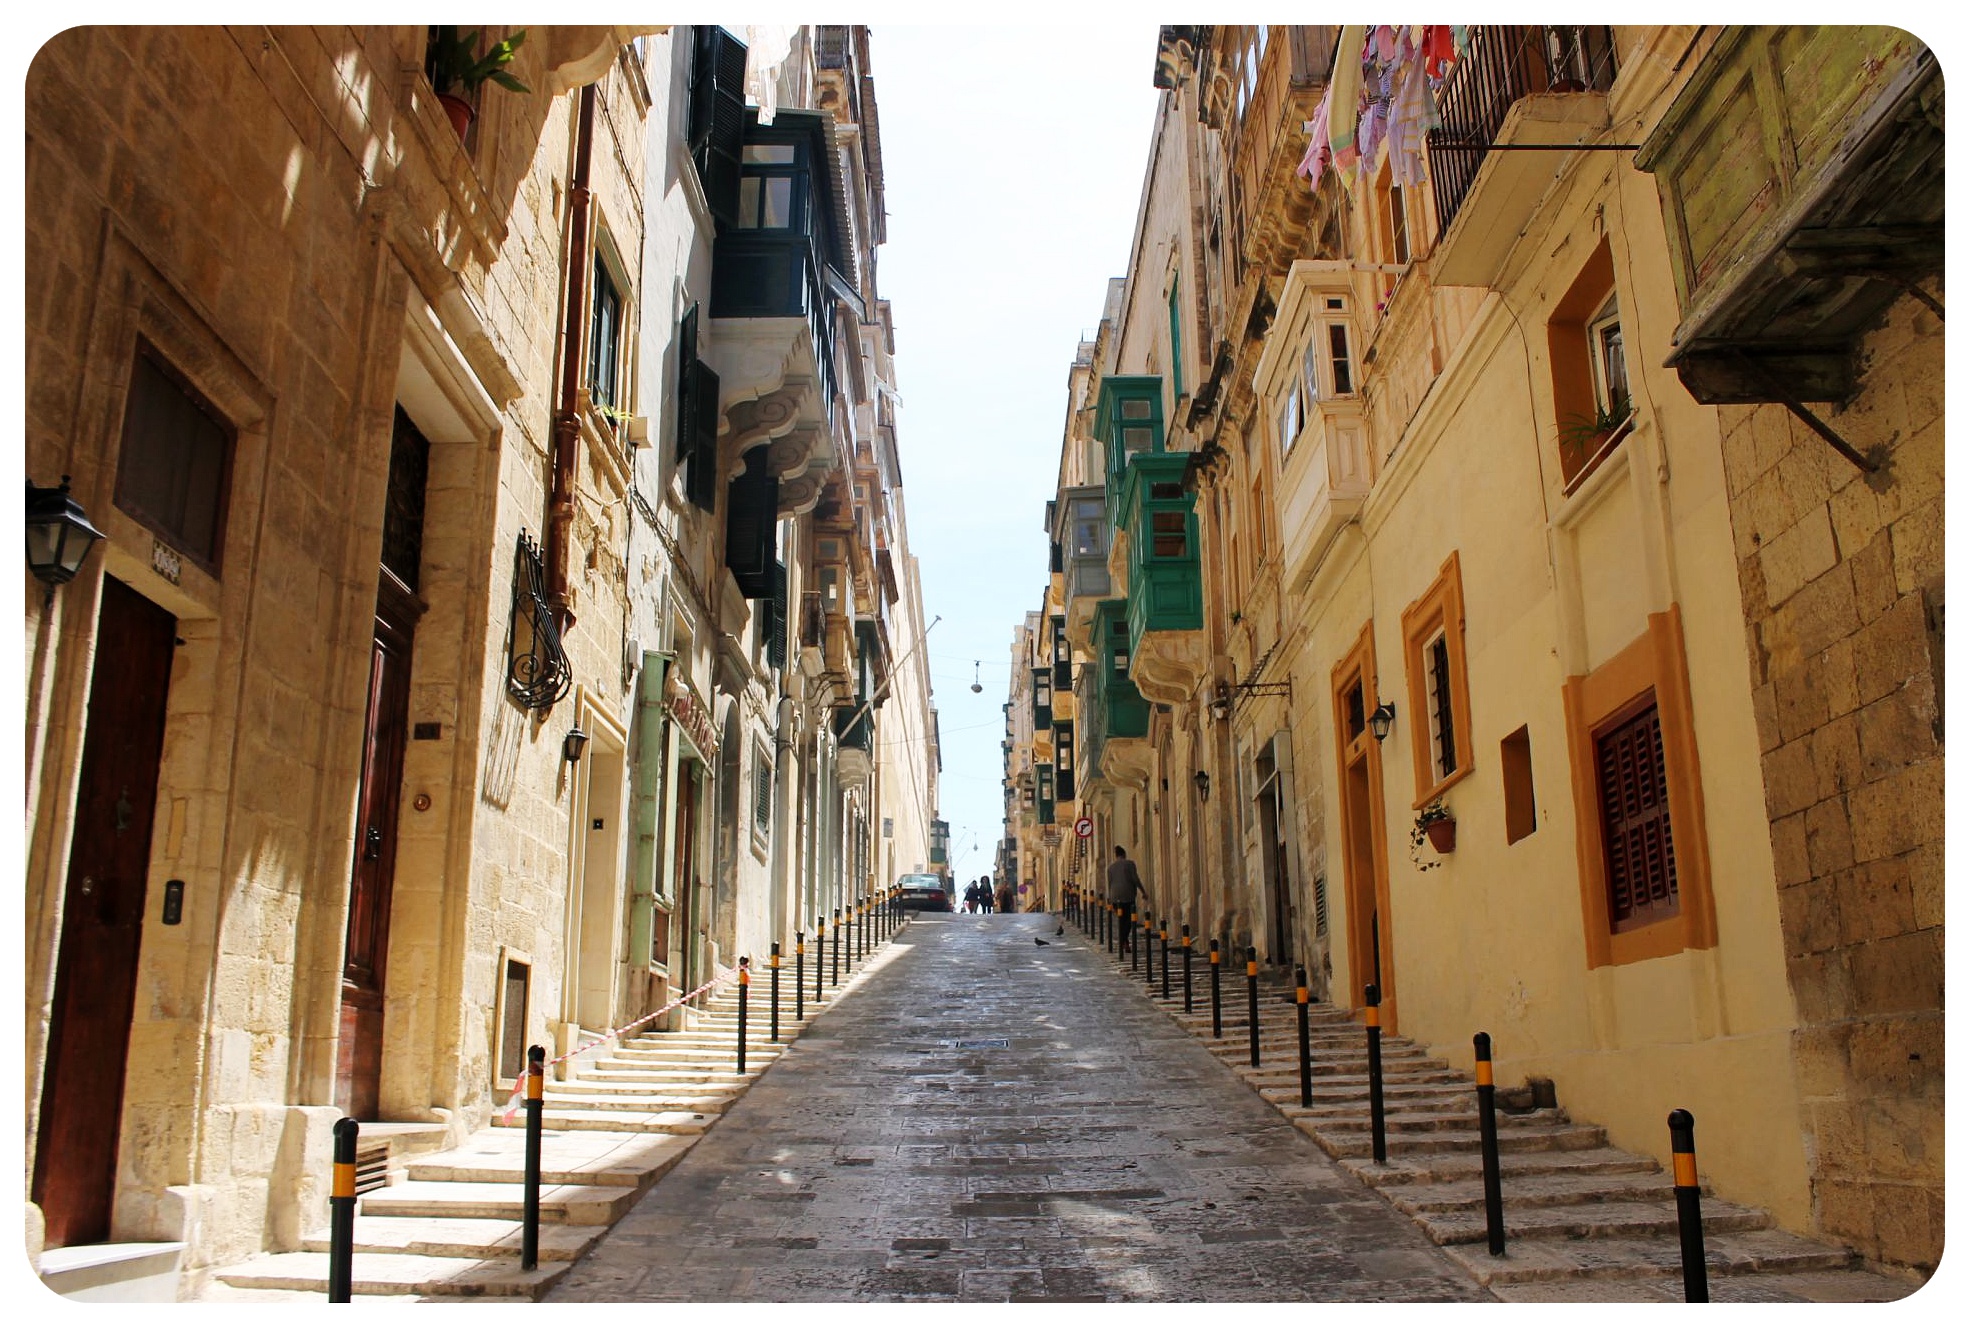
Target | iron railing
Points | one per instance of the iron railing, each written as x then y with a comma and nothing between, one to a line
1502,65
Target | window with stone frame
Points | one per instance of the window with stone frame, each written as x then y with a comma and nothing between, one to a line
1439,694
174,467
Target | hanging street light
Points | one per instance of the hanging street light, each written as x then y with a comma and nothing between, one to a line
59,535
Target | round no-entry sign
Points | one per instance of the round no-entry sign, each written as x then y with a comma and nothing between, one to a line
1083,828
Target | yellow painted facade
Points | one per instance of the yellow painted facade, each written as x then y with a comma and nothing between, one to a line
1389,397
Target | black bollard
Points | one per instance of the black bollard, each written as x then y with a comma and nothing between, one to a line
834,967
1130,934
820,955
745,985
1217,997
1186,968
799,976
1164,935
1376,1124
775,965
1252,998
1494,1199
1149,957
1689,1205
1306,1041
530,1177
342,1212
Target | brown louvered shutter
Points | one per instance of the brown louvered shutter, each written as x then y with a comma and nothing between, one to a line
1635,834
687,397
752,509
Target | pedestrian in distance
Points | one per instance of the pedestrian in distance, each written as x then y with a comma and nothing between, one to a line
1124,884
1005,897
985,893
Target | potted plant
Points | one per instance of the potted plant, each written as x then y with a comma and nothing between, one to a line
1434,823
1582,435
457,71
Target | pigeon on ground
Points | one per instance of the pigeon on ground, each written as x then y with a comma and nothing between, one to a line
1060,931
1038,941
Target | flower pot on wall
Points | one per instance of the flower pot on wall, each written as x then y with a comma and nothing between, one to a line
459,111
1443,835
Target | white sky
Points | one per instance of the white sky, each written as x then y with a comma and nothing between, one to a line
1012,169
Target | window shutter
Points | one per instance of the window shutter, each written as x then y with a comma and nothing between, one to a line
701,462
753,498
718,117
762,793
776,619
1639,850
687,399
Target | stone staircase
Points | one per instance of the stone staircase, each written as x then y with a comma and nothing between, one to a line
1583,1220
447,1227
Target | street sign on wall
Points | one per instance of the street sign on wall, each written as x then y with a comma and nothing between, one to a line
1083,827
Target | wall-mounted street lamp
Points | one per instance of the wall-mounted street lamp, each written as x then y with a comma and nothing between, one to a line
1382,720
1202,779
59,535
572,745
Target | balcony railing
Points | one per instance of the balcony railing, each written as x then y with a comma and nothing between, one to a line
1502,65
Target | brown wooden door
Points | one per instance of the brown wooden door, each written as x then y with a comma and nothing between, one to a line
102,919
359,1048
685,851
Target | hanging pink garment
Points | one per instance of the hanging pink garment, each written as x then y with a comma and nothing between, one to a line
1318,150
1413,118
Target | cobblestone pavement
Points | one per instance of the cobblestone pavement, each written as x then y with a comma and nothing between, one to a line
985,1119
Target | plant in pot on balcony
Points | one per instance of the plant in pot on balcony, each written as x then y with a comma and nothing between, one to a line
1435,824
457,70
1581,436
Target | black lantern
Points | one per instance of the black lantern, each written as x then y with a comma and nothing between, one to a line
572,745
59,535
1202,779
1382,720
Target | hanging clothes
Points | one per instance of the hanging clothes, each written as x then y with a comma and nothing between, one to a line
1345,94
1411,119
1319,152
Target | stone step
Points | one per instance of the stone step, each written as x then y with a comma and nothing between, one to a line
1734,1253
654,1122
398,1275
642,1103
576,1205
1617,1218
1355,1116
1533,1190
686,1057
460,1238
1351,1143
693,1094
1396,1175
650,1074
573,1157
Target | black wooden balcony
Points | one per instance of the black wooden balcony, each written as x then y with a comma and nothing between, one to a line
1502,65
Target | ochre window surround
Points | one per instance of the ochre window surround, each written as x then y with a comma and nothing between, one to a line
1440,609
1652,667
1578,386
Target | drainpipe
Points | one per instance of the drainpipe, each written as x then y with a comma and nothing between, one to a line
782,886
567,422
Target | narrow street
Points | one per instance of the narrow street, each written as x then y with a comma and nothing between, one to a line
896,1152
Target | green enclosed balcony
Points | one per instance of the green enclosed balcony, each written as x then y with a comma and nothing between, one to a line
1119,728
1128,422
1158,536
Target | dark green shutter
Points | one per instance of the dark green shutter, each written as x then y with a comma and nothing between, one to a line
701,464
776,619
753,499
687,398
718,117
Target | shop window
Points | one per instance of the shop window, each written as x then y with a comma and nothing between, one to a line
174,468
1439,693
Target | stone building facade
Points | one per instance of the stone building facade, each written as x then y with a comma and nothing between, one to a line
1418,484
410,710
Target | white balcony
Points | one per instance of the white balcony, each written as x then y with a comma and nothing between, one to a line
1322,485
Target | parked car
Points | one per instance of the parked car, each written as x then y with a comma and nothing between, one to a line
923,892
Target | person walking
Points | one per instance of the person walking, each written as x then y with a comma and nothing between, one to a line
985,893
1124,884
1005,896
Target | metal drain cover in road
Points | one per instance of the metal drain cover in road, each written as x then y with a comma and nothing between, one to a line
977,1044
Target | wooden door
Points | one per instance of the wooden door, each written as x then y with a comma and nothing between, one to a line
685,859
102,919
359,1047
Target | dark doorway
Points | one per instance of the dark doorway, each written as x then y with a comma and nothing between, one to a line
102,919
359,1047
